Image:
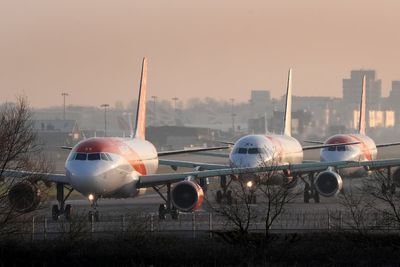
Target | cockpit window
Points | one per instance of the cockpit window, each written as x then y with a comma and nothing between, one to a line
255,150
242,150
341,148
338,148
80,156
94,156
71,156
103,156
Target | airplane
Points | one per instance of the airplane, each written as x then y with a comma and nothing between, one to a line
258,150
111,167
329,182
99,167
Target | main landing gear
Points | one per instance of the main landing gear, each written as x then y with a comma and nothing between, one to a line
309,190
61,208
166,208
225,193
388,186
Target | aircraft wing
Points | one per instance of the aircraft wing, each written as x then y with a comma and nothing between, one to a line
329,145
314,142
52,177
174,152
388,144
188,164
302,168
213,154
225,142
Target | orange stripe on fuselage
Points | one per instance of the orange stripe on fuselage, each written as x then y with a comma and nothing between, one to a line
365,150
115,146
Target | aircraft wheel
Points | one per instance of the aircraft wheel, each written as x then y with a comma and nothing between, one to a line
393,188
55,212
218,197
316,197
162,211
229,197
383,188
93,216
306,196
174,214
68,210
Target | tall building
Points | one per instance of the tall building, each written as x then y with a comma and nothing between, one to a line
260,103
352,87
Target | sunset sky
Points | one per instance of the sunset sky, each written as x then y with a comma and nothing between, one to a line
92,49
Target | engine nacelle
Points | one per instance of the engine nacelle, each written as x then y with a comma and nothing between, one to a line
24,197
187,196
328,183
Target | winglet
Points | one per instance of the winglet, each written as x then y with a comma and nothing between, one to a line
288,107
361,123
140,126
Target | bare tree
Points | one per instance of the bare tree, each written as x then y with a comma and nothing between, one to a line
241,212
275,190
383,189
19,151
358,208
276,195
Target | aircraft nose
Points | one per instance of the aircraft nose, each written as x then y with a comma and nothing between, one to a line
248,161
87,177
329,156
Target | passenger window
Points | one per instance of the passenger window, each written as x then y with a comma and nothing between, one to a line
80,156
242,150
94,156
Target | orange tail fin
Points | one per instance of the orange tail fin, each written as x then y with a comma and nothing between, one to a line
140,127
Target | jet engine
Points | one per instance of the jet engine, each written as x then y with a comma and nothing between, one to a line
24,196
187,195
328,183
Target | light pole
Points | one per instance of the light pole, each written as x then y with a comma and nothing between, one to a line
105,106
154,109
64,95
233,116
175,99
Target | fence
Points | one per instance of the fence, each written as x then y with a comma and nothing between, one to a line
193,224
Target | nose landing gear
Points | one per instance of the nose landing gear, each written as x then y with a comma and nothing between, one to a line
93,214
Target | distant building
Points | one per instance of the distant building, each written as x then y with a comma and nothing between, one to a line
178,137
260,103
352,87
56,133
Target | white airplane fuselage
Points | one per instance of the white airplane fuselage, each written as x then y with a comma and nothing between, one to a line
265,150
110,167
365,150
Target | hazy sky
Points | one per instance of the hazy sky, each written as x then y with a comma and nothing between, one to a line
92,49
